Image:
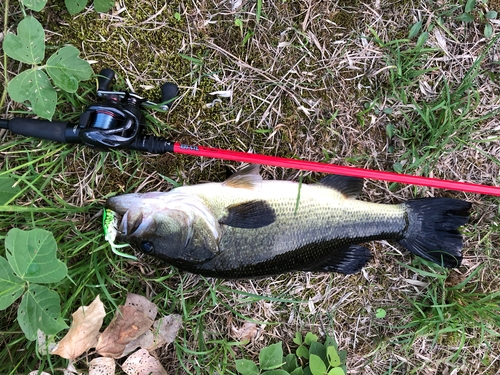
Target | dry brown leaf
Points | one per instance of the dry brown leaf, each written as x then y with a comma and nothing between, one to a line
142,304
164,331
143,341
82,335
125,328
142,363
246,333
36,373
102,366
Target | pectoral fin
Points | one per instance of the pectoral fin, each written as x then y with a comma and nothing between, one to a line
351,187
251,214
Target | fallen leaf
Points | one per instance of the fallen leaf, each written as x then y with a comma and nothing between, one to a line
125,328
71,370
84,330
142,304
36,373
143,341
164,331
142,363
102,366
246,333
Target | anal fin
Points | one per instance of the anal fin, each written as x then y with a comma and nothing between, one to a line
347,260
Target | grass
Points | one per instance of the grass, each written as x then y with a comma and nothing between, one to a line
299,87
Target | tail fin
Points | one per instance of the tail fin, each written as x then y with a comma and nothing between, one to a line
432,231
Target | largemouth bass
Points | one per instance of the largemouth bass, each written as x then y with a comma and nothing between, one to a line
248,227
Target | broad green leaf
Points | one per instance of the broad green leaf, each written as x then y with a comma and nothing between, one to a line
11,286
310,337
7,189
422,39
333,356
28,45
415,29
380,313
275,372
465,17
491,15
302,352
342,356
488,31
75,6
246,367
330,341
470,5
102,6
36,5
298,338
271,357
390,130
66,69
40,309
398,167
336,371
297,371
32,256
290,363
317,365
318,349
34,86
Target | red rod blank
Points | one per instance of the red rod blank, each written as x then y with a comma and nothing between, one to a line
335,169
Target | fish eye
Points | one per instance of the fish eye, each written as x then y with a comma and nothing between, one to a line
147,247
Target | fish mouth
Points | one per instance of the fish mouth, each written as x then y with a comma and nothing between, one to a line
134,222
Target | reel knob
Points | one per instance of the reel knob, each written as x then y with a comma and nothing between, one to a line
169,91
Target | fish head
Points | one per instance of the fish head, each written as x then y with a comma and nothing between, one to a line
166,228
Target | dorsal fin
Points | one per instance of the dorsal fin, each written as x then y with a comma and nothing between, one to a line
350,186
247,178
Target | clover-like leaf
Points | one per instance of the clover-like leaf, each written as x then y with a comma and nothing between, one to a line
246,367
333,356
11,286
32,256
75,6
66,69
28,45
40,309
317,365
36,5
102,6
8,189
271,357
34,86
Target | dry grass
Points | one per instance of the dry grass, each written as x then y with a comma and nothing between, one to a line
299,85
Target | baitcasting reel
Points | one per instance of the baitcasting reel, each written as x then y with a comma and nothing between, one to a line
114,124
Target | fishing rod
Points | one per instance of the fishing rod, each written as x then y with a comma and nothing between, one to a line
117,123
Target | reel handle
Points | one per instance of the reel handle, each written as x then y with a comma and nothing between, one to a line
169,91
105,78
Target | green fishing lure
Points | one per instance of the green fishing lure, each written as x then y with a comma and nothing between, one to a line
110,225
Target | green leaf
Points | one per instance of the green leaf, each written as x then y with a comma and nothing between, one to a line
36,5
380,313
390,130
398,167
470,6
271,357
246,367
66,69
11,286
318,349
275,372
102,6
40,309
333,356
32,256
465,17
297,371
34,86
7,189
290,362
330,341
28,45
317,365
309,338
75,6
298,339
302,352
491,15
422,39
415,29
336,371
342,355
177,16
488,31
